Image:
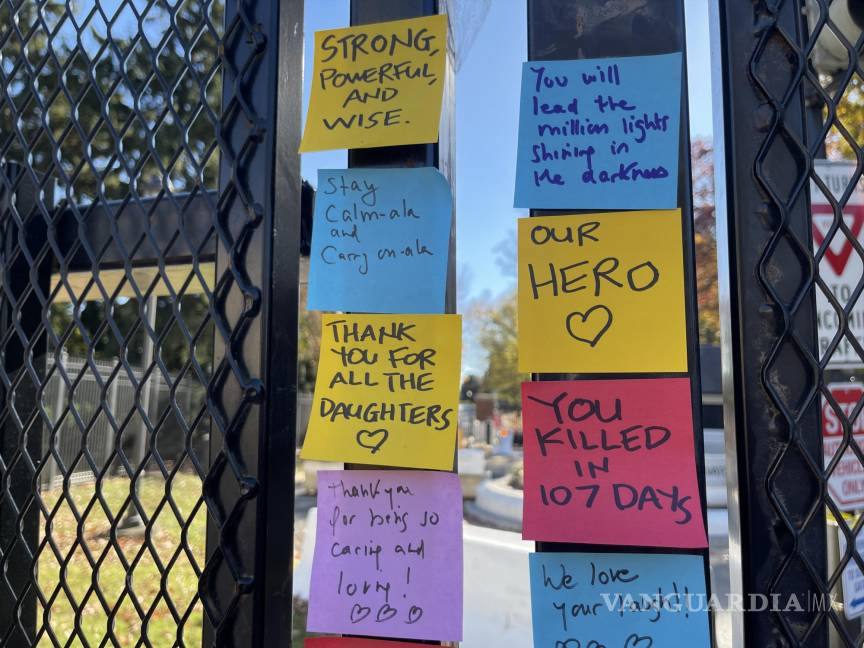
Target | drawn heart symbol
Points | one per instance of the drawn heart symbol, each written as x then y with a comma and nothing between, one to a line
601,320
359,612
366,439
635,641
414,614
385,613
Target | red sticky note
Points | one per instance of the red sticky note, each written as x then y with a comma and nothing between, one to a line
611,462
343,642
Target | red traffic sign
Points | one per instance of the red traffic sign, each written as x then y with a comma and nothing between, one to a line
846,483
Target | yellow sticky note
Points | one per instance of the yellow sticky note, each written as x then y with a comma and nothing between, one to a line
387,391
377,85
602,293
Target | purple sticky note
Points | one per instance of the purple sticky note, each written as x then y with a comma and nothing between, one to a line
388,555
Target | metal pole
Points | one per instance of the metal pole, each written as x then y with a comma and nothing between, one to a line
133,523
724,286
112,407
281,312
246,588
54,438
435,155
147,361
770,340
579,29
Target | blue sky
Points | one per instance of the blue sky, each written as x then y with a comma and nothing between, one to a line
487,100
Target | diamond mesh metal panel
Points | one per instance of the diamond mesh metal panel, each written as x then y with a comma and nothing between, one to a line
136,150
792,83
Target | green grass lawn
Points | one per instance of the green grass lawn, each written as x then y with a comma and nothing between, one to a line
132,606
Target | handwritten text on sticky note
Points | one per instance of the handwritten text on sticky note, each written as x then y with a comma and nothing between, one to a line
599,134
377,85
380,241
618,600
387,391
388,555
602,293
611,462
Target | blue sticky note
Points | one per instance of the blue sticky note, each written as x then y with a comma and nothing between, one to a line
626,600
599,133
380,241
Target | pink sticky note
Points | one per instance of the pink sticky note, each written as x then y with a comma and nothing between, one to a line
345,642
388,555
611,462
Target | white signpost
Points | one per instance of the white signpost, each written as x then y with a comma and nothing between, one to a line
853,580
841,268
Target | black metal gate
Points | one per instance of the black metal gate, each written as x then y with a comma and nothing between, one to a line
139,203
143,188
786,105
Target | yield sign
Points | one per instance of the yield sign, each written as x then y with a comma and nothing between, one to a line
838,259
841,267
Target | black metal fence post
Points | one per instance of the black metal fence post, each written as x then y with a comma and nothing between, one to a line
281,313
371,11
412,155
438,155
579,29
770,143
246,587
